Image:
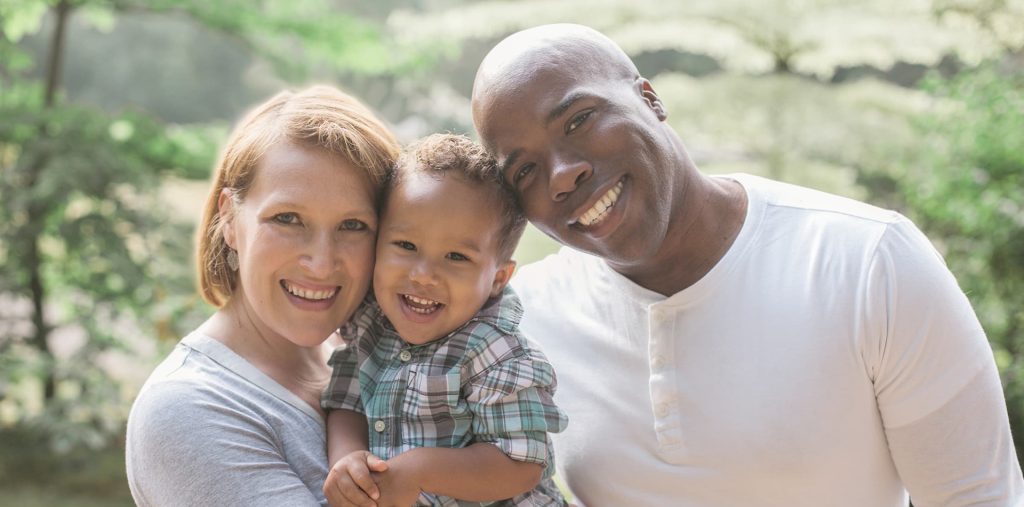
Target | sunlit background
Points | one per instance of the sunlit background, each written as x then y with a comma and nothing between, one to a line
112,111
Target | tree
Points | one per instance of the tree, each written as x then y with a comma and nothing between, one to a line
87,250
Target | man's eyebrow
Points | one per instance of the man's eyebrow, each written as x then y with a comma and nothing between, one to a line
509,161
562,106
553,115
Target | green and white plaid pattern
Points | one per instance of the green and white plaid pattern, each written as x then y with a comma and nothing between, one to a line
481,383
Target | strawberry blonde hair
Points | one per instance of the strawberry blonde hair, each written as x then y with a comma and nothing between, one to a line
321,118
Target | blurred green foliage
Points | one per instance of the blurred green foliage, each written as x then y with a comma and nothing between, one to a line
964,185
95,270
93,266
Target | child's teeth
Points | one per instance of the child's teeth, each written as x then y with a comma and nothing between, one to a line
425,305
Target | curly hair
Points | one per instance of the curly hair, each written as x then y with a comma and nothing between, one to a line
457,154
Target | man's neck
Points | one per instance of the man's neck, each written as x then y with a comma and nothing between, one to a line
709,223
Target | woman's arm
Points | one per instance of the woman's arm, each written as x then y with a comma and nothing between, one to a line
188,445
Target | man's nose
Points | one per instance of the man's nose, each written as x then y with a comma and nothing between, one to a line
566,176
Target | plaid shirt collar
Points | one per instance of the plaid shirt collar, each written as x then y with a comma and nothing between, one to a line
503,311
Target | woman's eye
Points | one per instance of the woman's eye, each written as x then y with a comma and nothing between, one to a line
404,245
353,225
576,121
286,218
456,256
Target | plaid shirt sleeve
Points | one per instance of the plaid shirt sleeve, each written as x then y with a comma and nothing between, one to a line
512,407
343,389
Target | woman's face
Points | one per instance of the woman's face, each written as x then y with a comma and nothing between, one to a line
305,237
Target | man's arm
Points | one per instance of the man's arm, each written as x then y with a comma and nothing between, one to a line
936,381
961,454
478,473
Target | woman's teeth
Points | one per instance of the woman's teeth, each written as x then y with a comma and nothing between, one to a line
421,305
600,210
312,295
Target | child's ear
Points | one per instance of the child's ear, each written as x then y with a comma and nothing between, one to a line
502,276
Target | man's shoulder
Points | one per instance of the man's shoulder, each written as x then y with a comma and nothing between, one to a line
556,271
782,196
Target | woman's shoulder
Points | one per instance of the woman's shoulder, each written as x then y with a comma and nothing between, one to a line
189,386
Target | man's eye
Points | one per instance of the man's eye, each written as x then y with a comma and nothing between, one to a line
353,225
286,218
576,121
404,245
521,173
456,256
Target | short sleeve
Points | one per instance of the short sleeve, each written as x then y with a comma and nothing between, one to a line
930,343
343,390
512,407
187,445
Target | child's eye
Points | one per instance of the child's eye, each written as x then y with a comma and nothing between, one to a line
353,225
404,245
286,218
576,121
456,256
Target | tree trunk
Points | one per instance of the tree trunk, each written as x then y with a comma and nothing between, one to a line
37,209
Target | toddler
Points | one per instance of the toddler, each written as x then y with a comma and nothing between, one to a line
458,405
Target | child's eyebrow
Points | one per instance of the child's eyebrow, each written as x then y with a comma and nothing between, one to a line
470,244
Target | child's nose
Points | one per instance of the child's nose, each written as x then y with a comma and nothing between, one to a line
423,273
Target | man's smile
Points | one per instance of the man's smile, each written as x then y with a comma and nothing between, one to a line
600,208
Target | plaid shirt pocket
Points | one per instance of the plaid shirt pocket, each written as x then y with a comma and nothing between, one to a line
436,414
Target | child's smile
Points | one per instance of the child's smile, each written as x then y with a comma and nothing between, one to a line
437,255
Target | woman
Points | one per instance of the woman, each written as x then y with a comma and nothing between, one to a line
286,246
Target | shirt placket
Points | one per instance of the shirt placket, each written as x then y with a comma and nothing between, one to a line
664,393
386,425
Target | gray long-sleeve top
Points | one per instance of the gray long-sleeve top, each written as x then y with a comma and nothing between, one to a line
208,428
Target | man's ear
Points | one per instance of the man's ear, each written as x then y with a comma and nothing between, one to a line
652,99
226,210
502,276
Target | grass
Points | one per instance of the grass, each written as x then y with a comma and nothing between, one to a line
31,475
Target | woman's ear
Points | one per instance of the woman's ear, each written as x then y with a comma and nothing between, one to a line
226,210
502,276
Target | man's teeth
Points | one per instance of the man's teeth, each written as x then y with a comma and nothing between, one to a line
314,295
421,305
601,207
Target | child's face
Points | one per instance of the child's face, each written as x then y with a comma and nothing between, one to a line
437,255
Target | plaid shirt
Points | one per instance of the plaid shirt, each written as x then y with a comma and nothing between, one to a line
481,383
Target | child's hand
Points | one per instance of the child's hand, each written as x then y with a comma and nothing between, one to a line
397,488
349,482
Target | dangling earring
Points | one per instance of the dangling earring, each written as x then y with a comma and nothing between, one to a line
232,259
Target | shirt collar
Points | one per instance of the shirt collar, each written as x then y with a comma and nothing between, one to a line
503,311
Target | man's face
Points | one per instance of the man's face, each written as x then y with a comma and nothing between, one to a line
590,158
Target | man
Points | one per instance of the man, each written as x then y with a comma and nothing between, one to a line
730,341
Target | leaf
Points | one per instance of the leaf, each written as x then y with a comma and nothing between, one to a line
21,17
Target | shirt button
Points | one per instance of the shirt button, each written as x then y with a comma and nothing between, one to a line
657,363
660,410
405,356
379,426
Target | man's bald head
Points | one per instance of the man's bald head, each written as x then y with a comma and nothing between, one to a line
565,48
